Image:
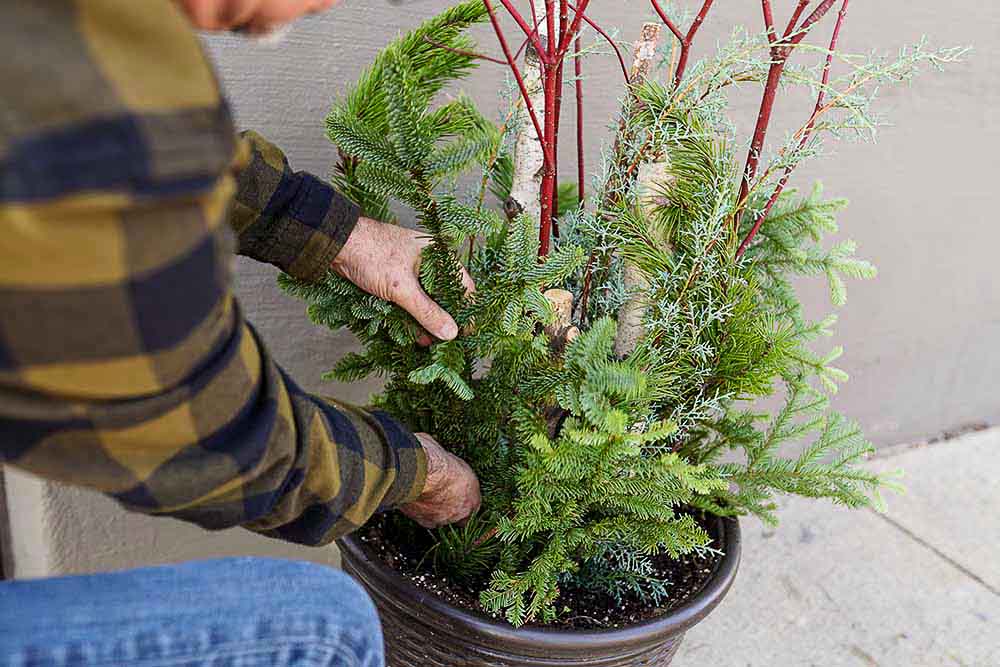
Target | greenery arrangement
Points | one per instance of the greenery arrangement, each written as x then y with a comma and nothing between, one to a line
604,387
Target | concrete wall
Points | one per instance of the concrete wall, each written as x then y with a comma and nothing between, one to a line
921,340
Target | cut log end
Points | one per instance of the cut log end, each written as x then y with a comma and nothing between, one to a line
562,304
561,331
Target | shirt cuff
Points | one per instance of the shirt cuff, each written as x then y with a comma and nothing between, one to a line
290,219
305,241
410,462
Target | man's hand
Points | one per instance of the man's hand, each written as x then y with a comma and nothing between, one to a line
253,16
384,260
451,492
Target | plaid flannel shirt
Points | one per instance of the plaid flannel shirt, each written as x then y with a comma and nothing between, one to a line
125,362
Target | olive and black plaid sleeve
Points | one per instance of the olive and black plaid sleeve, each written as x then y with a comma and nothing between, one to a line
125,363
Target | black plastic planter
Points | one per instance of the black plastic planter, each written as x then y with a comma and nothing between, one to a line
421,630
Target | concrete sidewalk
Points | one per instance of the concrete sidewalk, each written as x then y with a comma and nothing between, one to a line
919,586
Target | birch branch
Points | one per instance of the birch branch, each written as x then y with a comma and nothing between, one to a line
529,153
633,311
653,179
643,57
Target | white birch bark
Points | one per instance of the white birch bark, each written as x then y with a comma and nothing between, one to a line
633,311
529,156
653,178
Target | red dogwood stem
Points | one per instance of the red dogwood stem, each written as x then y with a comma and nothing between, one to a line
780,51
796,15
810,125
685,39
463,52
518,77
563,22
581,163
530,33
604,34
550,19
550,86
768,20
552,55
688,40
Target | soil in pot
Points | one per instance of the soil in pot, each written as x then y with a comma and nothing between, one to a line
583,609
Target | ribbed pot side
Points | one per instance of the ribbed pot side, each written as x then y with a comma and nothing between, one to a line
422,630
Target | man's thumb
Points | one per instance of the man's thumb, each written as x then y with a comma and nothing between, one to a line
431,316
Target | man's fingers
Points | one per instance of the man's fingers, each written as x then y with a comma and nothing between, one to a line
431,316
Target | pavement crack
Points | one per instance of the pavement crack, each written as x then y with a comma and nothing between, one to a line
940,554
864,656
948,437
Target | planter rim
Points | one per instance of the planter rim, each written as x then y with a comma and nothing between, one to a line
675,622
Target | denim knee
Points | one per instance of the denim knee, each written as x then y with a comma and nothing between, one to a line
233,611
336,610
298,584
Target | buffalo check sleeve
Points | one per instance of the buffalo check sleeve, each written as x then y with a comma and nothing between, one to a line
125,362
290,219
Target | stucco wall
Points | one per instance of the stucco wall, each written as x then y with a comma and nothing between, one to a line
921,340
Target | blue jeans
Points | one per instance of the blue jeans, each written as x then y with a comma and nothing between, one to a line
234,612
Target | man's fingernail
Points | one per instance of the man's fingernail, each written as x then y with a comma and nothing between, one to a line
449,331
